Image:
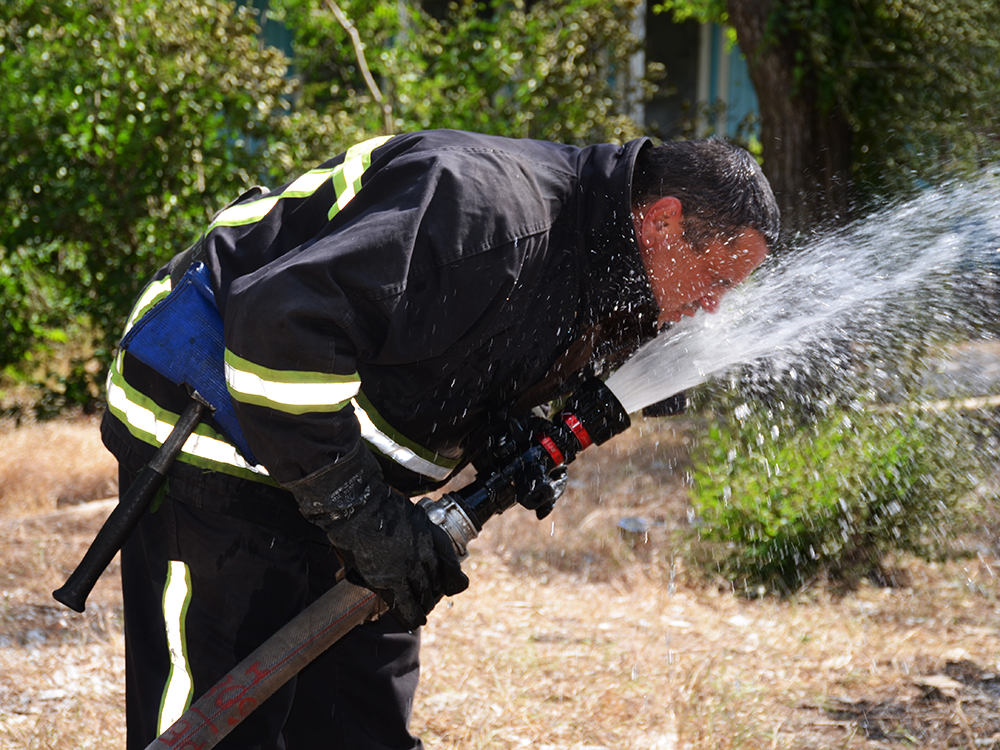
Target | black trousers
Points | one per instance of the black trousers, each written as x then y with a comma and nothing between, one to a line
203,589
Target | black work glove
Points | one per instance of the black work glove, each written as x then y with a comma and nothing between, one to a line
388,544
391,547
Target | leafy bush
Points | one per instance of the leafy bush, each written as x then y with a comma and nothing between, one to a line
789,500
123,127
552,69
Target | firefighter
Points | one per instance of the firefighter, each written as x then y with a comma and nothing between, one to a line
382,314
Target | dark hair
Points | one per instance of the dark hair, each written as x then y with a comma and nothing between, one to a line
720,186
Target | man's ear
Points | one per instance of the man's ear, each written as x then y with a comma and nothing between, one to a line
661,222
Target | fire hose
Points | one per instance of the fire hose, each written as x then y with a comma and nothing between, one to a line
216,713
524,462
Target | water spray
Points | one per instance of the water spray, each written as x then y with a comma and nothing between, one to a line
861,284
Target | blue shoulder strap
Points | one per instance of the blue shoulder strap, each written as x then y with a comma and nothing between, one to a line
182,339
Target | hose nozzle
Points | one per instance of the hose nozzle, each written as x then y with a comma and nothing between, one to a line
591,416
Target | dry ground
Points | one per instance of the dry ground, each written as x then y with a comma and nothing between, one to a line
51,465
574,634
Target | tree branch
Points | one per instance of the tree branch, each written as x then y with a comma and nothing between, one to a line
359,50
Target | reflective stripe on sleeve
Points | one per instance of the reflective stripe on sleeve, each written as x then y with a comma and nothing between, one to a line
346,178
245,213
151,424
208,449
153,293
290,391
178,691
377,433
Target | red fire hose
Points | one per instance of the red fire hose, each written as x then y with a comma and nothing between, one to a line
274,662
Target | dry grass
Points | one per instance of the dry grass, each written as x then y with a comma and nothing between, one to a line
61,673
49,465
640,475
568,664
576,634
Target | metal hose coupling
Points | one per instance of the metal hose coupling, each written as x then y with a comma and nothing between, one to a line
449,513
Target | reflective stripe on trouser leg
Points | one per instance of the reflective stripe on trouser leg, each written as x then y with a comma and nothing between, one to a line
178,691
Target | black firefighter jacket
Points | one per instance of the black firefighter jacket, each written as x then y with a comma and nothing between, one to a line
409,293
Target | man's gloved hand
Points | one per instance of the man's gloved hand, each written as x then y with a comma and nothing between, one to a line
388,544
391,547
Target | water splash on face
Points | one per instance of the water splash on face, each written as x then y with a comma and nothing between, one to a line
901,266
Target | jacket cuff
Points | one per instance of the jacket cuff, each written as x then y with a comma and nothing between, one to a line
336,491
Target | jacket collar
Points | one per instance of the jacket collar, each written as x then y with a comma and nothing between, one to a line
615,280
615,285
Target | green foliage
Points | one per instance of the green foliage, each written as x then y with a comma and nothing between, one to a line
558,71
702,11
789,499
917,79
123,126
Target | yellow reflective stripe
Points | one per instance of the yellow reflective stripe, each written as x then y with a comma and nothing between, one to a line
376,433
179,689
207,448
346,178
245,213
153,293
151,424
291,391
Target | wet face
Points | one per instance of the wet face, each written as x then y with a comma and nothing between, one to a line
685,278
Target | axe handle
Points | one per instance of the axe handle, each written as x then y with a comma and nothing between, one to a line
271,665
124,518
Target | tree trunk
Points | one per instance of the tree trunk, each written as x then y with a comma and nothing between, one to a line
807,153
